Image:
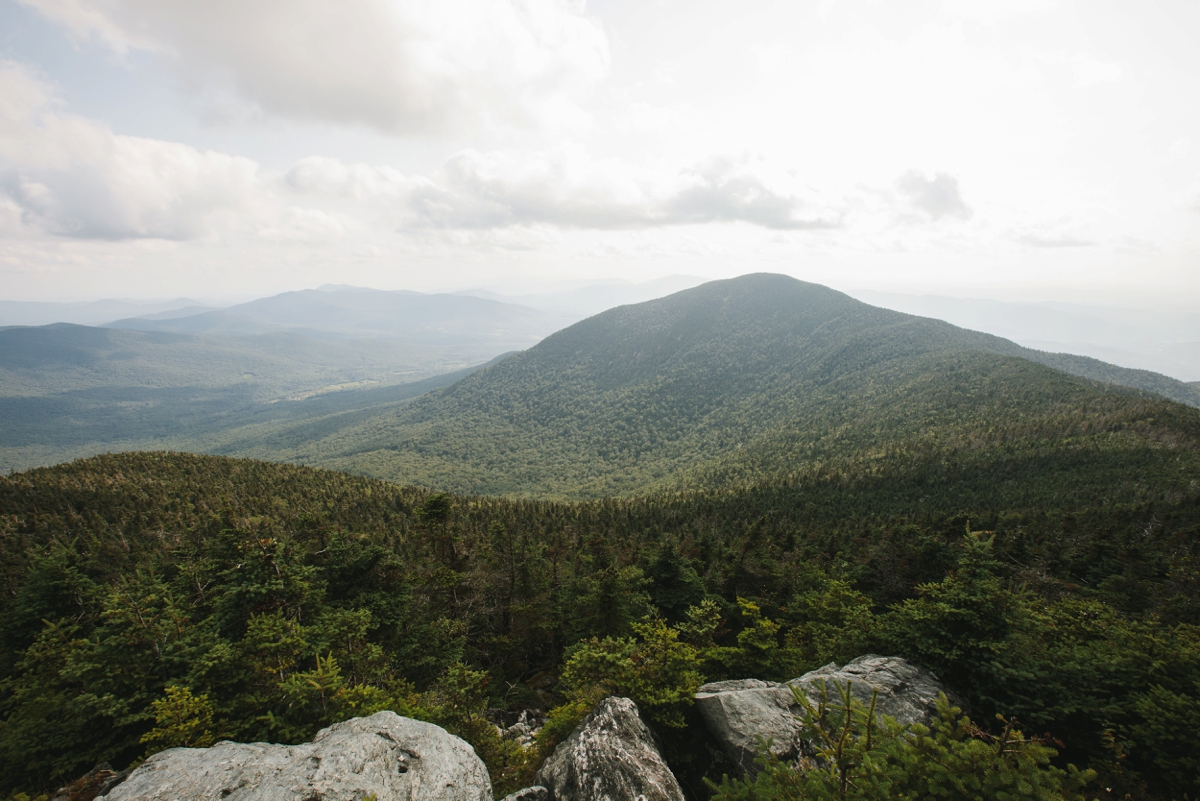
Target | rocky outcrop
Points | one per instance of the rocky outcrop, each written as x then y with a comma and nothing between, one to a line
385,755
740,714
611,756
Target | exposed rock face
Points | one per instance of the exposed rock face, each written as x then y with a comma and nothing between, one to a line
611,756
394,758
738,713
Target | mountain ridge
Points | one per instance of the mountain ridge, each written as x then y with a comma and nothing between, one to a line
640,395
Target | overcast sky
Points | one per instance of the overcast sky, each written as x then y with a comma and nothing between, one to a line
229,148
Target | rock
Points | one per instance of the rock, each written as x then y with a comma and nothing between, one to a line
906,691
521,726
611,756
96,782
535,793
385,755
740,712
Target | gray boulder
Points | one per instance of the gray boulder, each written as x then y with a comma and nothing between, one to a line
535,793
739,713
394,758
905,691
611,756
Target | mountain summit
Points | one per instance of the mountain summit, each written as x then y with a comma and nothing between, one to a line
755,378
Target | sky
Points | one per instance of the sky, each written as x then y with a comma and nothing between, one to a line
1015,149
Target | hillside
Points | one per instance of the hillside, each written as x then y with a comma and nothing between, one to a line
68,390
285,598
754,378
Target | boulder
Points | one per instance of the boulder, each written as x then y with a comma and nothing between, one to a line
535,793
739,713
906,692
385,755
610,756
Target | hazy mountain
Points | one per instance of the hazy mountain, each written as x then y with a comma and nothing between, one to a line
756,377
488,326
1165,340
15,312
68,390
584,301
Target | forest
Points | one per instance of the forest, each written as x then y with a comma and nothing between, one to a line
153,600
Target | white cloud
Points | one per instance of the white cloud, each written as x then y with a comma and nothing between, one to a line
937,196
74,177
567,188
399,66
328,176
305,225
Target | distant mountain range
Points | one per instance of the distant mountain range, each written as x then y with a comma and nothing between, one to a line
97,312
750,379
69,391
1165,340
352,313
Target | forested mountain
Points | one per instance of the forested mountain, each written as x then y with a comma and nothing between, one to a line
153,600
69,390
735,381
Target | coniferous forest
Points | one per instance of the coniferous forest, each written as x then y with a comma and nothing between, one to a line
154,600
735,482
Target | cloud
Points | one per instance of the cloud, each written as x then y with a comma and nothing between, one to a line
73,177
399,66
333,177
568,189
938,196
1054,241
1063,233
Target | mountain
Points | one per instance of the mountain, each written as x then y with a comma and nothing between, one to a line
757,378
584,301
68,390
16,312
1164,339
340,312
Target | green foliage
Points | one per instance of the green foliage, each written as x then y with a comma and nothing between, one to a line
1163,717
290,598
655,668
862,756
182,720
832,621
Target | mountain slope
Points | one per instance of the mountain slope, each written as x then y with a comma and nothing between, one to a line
349,312
753,378
68,390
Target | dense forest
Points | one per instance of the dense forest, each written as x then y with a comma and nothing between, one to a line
153,600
